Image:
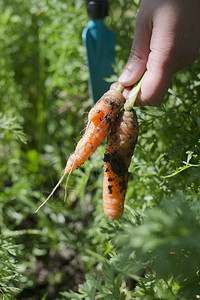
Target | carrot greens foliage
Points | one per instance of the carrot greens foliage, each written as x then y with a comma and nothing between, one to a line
71,250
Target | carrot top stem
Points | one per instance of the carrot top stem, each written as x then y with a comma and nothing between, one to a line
133,95
120,87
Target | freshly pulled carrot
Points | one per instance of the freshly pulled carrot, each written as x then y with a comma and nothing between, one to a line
120,146
100,119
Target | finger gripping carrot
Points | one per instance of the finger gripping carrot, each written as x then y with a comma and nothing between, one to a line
100,120
117,158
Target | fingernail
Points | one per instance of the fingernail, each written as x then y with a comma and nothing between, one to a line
125,76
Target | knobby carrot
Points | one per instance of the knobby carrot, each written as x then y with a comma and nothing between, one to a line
120,146
100,119
119,151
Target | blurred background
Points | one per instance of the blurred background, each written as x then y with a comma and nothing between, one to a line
69,249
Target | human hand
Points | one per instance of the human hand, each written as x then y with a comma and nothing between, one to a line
166,39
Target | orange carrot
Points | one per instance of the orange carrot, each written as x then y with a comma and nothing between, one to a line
100,117
117,158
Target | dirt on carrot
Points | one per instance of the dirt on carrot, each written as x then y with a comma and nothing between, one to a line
120,147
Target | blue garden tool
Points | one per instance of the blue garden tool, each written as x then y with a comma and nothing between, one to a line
100,46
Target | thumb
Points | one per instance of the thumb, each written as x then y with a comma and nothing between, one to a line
136,64
155,84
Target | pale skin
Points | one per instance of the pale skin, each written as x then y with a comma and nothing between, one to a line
166,39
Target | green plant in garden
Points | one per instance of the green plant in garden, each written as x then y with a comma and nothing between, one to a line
70,249
9,274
